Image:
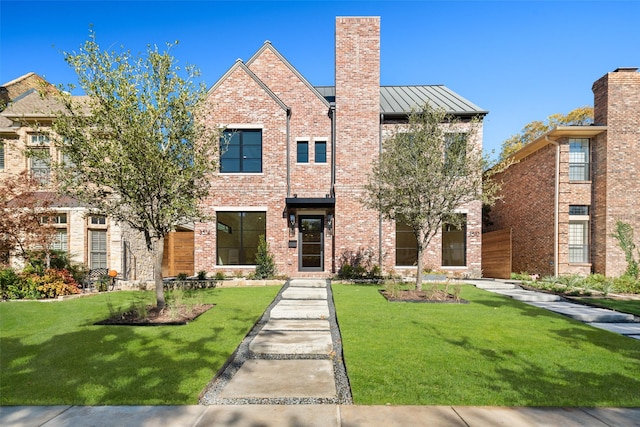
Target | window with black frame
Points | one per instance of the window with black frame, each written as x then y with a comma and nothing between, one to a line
454,244
241,151
237,237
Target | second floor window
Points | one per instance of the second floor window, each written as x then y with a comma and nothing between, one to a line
40,165
321,152
579,159
455,152
1,156
302,152
39,139
241,151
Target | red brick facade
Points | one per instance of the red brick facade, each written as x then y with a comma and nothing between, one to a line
537,192
267,93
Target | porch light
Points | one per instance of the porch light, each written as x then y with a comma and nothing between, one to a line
330,223
292,220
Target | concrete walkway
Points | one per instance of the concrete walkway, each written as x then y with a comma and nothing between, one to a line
620,323
289,372
313,415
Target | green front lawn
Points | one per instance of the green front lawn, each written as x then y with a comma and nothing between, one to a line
51,353
493,351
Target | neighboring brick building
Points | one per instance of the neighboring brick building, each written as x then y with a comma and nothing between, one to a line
295,159
94,240
562,198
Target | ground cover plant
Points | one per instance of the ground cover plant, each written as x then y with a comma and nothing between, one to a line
492,351
52,353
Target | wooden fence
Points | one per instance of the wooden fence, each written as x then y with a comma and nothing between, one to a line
496,254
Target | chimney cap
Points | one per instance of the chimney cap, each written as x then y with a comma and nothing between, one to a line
625,70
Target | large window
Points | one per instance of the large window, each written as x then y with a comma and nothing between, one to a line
406,246
454,244
455,151
579,159
61,241
241,151
40,165
578,234
302,152
321,152
237,236
98,252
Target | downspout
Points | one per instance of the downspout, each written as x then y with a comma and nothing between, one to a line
556,213
332,114
288,153
379,213
332,191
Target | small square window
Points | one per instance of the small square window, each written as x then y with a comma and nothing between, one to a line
98,220
39,139
578,210
303,152
321,152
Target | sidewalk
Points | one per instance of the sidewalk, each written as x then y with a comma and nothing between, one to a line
289,372
312,416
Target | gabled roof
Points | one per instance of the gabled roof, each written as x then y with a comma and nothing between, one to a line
268,46
400,100
240,65
32,104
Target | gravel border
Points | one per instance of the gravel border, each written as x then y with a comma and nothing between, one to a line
210,395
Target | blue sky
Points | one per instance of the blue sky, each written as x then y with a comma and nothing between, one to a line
521,60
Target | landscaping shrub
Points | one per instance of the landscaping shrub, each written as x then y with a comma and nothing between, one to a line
51,283
358,265
265,265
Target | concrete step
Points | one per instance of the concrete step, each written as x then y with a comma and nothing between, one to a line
631,330
585,313
299,292
528,296
292,342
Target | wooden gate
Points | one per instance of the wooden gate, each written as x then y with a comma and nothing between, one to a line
178,254
496,254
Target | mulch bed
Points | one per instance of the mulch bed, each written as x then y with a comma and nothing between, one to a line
155,317
434,297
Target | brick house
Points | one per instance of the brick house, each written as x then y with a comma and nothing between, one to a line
562,198
294,158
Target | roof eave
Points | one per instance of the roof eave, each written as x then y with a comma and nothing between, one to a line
557,132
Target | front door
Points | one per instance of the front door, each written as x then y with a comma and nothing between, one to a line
311,243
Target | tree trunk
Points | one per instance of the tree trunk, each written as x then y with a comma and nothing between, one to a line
157,272
419,269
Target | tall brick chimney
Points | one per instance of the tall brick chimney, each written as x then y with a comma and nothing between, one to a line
616,159
357,125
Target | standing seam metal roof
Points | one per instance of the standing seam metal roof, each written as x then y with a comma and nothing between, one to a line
402,99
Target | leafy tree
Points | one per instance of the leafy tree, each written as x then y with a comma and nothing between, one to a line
578,117
22,210
425,172
135,147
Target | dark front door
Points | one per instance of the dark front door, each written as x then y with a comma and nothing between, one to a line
311,243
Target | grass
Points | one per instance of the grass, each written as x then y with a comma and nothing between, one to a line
51,353
493,351
623,306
